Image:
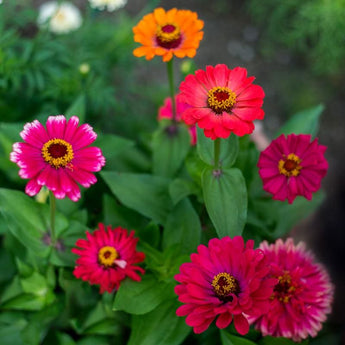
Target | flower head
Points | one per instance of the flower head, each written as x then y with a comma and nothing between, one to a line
168,33
224,281
58,156
109,5
165,112
223,101
291,166
107,257
60,18
302,297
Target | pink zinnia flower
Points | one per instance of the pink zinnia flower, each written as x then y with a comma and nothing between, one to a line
303,296
165,112
223,101
224,281
291,166
107,257
58,156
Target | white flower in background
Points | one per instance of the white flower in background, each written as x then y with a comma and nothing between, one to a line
110,5
60,17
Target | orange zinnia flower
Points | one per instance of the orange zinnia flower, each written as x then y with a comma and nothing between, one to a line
175,32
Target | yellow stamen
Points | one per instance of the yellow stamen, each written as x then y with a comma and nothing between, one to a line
224,284
290,165
107,255
168,32
57,152
221,99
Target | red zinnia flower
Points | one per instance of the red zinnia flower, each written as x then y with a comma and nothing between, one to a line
224,281
168,33
223,101
303,296
107,257
292,166
58,156
165,112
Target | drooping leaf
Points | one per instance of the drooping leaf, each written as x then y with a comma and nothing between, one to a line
230,339
77,108
225,196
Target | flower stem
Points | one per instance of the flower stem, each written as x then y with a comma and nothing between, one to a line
170,70
52,202
216,153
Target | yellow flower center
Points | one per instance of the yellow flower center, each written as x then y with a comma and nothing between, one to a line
285,289
168,35
225,284
221,99
290,165
107,255
57,152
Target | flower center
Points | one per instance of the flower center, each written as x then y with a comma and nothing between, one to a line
107,255
224,285
290,165
285,288
221,99
168,36
57,152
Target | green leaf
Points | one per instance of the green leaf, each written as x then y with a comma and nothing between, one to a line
77,108
160,326
170,145
229,149
304,122
141,297
277,341
180,188
27,219
230,339
183,227
225,196
143,193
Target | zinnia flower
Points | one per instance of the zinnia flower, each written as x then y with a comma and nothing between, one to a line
58,156
224,281
107,257
110,5
303,296
175,32
223,101
291,166
165,112
60,17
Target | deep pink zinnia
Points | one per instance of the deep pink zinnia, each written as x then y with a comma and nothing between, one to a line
166,112
58,156
223,101
303,296
224,281
107,257
291,166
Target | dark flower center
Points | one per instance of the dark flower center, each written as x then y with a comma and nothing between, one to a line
168,36
225,285
285,288
107,255
221,99
290,165
57,152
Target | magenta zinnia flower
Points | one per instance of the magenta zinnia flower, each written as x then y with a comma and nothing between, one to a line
165,112
58,156
303,296
291,166
107,257
223,101
224,281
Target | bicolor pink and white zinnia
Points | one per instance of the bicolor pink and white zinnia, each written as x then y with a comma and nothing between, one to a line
226,281
107,257
303,296
58,156
292,166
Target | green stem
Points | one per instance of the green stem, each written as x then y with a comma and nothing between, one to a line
170,70
52,202
216,153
